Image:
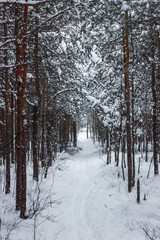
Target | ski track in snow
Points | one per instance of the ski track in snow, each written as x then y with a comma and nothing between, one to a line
82,170
84,161
95,201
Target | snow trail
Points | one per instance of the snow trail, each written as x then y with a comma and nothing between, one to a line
95,203
78,183
85,162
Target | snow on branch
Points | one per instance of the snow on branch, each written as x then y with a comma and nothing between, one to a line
40,25
26,2
125,7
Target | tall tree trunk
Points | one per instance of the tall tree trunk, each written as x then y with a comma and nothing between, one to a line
12,128
35,143
60,135
37,103
87,128
123,151
133,135
3,135
6,99
154,117
146,130
24,119
67,133
127,100
21,14
108,148
74,134
132,107
43,146
18,118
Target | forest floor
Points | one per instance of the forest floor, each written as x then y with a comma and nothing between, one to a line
92,203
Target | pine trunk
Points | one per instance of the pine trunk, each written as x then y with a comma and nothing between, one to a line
21,14
6,99
154,117
127,100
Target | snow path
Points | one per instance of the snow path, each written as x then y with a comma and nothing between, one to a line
78,183
95,204
86,170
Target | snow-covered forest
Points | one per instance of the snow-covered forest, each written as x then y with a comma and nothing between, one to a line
79,119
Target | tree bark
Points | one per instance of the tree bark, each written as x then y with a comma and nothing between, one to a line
127,100
21,14
37,103
74,134
43,146
35,142
6,99
154,117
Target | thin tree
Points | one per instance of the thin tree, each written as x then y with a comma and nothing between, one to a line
127,100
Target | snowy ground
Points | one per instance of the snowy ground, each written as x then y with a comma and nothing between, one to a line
94,202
